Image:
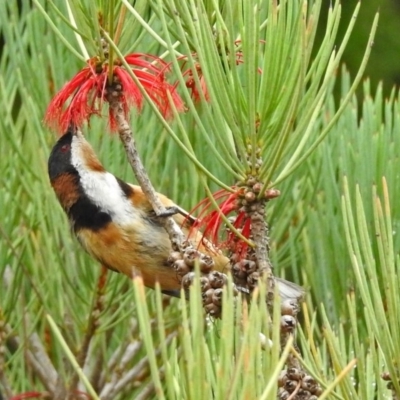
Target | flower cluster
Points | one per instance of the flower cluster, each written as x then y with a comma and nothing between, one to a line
238,202
212,221
85,93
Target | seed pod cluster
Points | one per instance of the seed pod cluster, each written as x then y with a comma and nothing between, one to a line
211,282
245,273
295,384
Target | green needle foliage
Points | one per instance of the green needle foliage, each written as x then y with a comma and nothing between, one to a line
335,228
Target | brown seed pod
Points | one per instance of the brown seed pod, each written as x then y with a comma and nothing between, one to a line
303,394
271,193
204,283
238,272
317,391
250,197
386,376
295,374
257,187
208,296
187,244
290,307
282,378
248,265
181,267
252,255
283,394
252,279
217,279
309,383
288,323
190,255
217,297
206,263
251,181
213,310
290,385
174,256
188,279
234,258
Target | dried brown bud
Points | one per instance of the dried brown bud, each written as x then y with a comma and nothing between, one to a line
257,187
206,263
303,394
174,256
213,310
217,297
386,376
253,278
238,272
217,279
290,307
188,279
294,374
208,296
250,197
204,283
181,267
309,383
248,265
317,391
290,385
288,323
271,193
283,394
282,378
251,181
186,245
190,256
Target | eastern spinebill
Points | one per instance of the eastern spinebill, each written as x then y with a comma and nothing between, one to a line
115,223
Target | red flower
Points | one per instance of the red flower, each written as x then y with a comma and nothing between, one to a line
211,222
86,91
191,82
193,87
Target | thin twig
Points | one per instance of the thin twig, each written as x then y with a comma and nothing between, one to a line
111,389
259,234
176,235
43,366
97,359
147,391
129,354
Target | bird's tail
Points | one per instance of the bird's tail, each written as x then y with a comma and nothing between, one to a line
289,290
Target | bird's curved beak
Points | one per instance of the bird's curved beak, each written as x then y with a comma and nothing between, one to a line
74,130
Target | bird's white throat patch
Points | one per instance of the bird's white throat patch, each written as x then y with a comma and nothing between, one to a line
102,188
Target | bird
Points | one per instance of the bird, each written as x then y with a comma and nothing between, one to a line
115,223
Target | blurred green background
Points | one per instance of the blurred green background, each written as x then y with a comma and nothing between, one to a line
384,63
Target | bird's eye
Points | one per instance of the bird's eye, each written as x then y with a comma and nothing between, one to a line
65,148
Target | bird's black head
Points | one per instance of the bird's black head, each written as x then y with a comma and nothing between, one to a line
60,157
